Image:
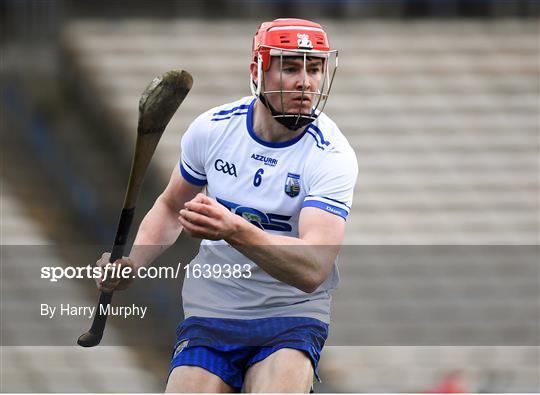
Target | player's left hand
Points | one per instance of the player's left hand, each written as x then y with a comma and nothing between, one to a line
205,218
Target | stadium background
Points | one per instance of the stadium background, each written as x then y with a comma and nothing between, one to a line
439,100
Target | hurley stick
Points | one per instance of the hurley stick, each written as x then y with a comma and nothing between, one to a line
157,105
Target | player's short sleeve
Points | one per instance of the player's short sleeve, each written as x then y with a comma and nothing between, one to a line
331,182
193,153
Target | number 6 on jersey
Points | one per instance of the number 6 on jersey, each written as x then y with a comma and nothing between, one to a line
258,177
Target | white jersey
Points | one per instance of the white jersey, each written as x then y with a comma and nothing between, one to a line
267,184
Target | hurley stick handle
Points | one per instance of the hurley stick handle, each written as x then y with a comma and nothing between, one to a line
105,298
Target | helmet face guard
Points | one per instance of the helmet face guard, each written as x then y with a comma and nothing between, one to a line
281,32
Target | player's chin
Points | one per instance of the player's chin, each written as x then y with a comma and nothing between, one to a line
300,110
300,106
294,108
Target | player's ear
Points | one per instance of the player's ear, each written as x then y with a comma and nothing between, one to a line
253,71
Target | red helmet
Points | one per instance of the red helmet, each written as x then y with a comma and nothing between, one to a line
289,34
299,38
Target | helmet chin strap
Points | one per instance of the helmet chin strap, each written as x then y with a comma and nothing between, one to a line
290,121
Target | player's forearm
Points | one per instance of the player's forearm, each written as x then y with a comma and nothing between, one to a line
288,259
159,229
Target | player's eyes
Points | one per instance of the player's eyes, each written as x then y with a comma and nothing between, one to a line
290,69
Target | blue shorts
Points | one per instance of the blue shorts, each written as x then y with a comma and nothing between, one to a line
228,347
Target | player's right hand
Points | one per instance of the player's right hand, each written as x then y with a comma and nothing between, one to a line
109,281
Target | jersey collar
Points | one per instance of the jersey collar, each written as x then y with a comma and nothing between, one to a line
281,144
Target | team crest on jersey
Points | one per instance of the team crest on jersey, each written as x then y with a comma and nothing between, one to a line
292,184
183,344
304,41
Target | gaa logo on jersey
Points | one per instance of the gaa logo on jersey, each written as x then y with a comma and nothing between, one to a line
225,167
292,184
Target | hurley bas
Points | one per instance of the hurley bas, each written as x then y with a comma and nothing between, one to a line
69,310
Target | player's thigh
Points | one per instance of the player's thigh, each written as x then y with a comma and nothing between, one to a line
286,370
195,379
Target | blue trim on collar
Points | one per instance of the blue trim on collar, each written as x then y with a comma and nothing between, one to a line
281,144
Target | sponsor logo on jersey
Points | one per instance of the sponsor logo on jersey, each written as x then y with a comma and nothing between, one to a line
265,159
332,210
225,167
304,41
292,184
265,221
183,344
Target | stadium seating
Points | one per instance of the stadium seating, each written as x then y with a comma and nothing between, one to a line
444,127
27,365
